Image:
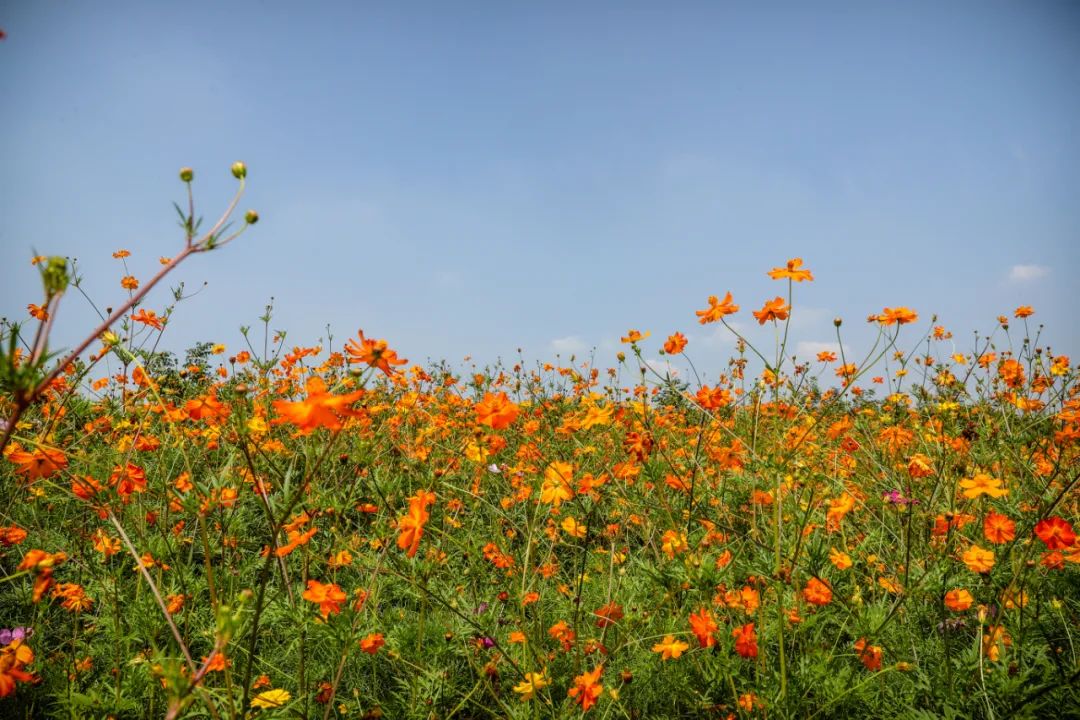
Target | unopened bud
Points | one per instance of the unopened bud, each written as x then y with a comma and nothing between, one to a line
239,170
837,322
187,174
251,217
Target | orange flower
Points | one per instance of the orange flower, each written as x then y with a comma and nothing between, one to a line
675,344
841,560
327,596
14,657
745,641
610,614
129,283
998,529
557,488
1012,373
375,353
717,309
127,480
958,600
983,484
150,318
977,559
792,271
41,463
632,336
775,309
496,411
121,254
411,525
1056,533
37,312
1024,311
320,409
587,688
817,592
703,626
896,316
372,643
670,648
870,655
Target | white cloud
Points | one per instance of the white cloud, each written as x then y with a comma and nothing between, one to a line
1024,273
662,368
569,345
809,349
721,337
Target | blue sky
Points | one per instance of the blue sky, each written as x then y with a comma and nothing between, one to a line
471,178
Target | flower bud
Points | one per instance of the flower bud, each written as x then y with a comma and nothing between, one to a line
837,322
55,276
239,170
187,174
251,217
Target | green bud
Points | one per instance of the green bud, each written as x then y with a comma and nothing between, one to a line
239,170
187,174
55,276
251,217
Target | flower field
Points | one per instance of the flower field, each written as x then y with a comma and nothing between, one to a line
303,532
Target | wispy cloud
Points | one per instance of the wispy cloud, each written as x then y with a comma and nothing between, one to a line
569,345
1025,273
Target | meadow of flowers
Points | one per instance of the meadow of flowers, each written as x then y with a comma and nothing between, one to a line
265,531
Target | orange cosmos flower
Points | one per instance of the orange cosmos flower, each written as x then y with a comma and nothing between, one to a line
375,353
870,655
411,525
675,344
128,282
587,688
998,529
127,480
817,592
41,463
372,643
896,316
775,309
670,648
1056,533
320,409
14,657
496,411
841,560
977,559
703,626
958,600
745,641
717,309
37,312
1024,311
983,484
328,597
1012,373
557,478
121,254
150,318
610,614
792,271
632,336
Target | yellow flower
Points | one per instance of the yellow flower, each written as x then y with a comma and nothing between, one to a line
983,484
977,559
572,527
841,560
533,681
271,699
670,648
